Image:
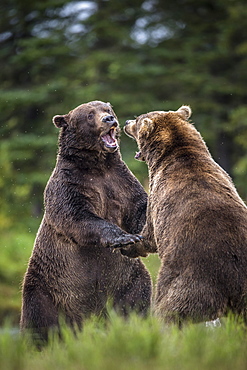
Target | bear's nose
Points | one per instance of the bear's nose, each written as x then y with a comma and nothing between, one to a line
127,122
109,119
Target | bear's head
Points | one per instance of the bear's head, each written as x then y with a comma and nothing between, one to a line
90,126
159,128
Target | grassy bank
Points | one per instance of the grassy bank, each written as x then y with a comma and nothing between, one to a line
134,344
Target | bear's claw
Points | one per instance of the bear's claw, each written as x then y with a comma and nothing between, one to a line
125,240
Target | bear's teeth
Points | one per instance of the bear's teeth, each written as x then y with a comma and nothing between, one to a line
109,139
138,154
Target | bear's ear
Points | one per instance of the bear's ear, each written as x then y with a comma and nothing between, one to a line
60,121
147,126
185,111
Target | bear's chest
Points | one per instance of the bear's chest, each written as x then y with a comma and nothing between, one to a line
107,197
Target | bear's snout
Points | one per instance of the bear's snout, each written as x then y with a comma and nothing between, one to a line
130,128
130,122
110,119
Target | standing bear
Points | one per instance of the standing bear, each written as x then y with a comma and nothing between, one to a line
93,203
196,221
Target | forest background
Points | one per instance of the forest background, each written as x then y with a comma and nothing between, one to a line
140,56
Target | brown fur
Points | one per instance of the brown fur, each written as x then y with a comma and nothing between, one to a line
196,221
92,204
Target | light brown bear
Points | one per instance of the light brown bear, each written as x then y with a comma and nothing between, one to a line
196,221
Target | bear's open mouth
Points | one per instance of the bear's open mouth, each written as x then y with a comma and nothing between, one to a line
138,155
110,139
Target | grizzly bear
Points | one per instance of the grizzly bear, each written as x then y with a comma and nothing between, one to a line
93,203
196,221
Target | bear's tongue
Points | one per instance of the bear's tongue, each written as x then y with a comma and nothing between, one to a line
109,139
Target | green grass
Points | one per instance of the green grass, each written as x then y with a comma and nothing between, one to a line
116,344
136,344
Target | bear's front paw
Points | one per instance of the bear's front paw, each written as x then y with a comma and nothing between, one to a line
134,251
125,240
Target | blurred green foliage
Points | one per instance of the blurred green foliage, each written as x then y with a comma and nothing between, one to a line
140,55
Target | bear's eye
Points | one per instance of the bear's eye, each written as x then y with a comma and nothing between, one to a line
90,116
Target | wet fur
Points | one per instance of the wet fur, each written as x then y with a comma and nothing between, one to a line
92,203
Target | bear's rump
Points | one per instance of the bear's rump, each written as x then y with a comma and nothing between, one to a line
188,298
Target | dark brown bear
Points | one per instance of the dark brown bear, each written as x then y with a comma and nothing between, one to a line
92,204
195,220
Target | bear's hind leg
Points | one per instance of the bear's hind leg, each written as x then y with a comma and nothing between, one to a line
135,294
38,315
186,300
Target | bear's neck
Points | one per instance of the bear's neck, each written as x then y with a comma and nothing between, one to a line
159,154
88,159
